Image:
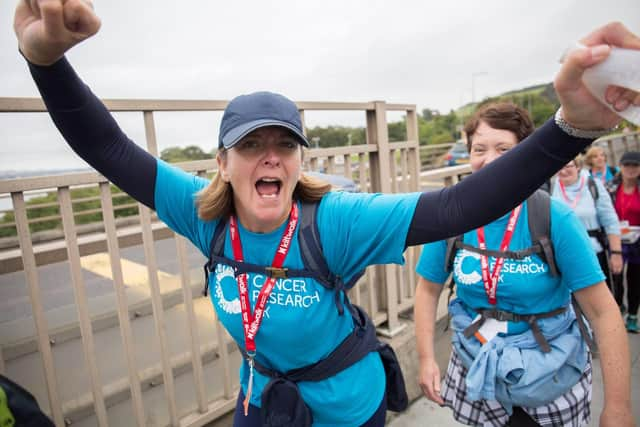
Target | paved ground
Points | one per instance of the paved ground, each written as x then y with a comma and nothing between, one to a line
423,412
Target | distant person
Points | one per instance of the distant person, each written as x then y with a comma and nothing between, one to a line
596,161
626,199
260,195
518,357
588,198
18,407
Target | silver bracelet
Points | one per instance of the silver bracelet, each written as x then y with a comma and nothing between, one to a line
579,133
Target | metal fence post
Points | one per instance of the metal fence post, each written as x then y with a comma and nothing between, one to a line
378,134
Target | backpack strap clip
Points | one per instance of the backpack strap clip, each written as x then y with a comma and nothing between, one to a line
277,272
503,316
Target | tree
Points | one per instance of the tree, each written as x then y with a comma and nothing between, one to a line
429,114
397,131
78,208
177,154
336,136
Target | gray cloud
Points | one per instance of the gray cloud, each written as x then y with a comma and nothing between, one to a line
405,51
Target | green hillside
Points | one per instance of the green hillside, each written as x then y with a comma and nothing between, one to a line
540,100
434,127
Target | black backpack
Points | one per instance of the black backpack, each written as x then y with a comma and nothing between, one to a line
281,401
315,265
539,222
591,184
598,233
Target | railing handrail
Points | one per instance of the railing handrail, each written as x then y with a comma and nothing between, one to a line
385,291
379,165
36,105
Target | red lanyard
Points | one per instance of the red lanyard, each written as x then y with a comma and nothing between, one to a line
251,323
575,201
491,281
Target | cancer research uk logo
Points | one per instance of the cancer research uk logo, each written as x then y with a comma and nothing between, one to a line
287,292
466,267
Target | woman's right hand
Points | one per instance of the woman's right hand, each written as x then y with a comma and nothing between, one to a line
46,29
429,380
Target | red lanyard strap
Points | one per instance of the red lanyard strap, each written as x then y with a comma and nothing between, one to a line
491,280
251,322
573,203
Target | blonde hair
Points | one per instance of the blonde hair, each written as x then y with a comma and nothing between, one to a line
216,200
578,161
591,153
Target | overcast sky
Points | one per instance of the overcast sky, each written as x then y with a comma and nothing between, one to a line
419,52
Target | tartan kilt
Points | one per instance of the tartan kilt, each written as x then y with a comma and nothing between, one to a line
572,409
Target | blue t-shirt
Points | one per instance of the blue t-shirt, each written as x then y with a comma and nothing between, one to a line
301,324
524,286
592,213
607,176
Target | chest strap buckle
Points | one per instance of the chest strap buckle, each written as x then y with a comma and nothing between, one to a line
277,272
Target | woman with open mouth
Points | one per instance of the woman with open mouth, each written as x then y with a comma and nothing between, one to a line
289,317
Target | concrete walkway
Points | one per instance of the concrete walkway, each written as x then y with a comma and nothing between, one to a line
423,412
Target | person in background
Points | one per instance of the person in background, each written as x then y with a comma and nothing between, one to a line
259,191
588,198
518,358
596,161
18,407
626,199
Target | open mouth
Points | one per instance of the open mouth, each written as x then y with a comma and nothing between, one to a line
268,188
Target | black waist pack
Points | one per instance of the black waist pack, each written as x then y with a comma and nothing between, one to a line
397,399
282,404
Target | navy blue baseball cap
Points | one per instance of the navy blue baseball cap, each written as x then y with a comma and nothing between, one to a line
246,113
630,158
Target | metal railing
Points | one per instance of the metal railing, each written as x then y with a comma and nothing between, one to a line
203,353
617,144
377,166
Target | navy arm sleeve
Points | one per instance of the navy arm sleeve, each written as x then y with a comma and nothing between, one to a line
92,133
495,189
485,195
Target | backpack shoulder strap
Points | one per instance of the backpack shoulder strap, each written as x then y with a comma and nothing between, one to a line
593,188
547,186
539,221
313,256
216,249
453,244
309,241
552,184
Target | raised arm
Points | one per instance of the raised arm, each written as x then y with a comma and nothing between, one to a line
506,182
46,30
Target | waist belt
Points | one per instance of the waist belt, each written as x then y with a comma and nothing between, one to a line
500,315
354,347
281,398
